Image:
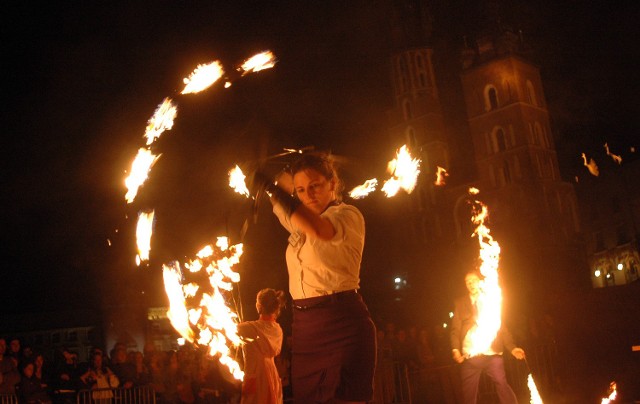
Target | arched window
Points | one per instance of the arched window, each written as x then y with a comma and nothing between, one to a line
506,173
490,98
406,109
404,74
531,93
499,140
412,141
538,135
422,74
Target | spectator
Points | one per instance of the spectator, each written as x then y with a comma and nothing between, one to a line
123,369
67,372
100,377
9,375
142,375
29,389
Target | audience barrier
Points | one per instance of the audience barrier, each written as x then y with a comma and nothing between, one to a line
133,395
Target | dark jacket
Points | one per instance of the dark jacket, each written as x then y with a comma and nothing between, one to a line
464,318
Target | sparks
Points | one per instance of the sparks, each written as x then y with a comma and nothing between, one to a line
363,190
144,229
140,169
404,171
237,181
203,77
261,61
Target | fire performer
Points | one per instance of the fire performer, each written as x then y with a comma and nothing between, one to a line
464,320
261,382
333,336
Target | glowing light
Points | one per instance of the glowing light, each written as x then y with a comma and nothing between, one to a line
237,181
140,169
620,267
363,190
597,273
144,230
261,61
202,77
404,170
450,314
535,396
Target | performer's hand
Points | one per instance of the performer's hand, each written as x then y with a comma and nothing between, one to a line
518,353
457,356
259,182
285,181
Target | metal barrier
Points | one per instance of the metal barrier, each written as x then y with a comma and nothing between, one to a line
8,399
133,395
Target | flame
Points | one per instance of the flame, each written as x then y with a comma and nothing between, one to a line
591,165
144,229
535,396
489,300
261,61
363,190
237,181
161,120
203,77
440,176
615,157
613,393
404,170
139,172
210,322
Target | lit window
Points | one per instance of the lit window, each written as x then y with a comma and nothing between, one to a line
597,273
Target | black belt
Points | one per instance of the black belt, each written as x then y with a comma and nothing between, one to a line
322,301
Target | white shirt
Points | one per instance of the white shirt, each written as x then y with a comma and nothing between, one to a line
318,267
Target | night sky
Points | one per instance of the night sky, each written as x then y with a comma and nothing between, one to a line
81,80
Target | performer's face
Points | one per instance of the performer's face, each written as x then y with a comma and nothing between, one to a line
473,284
314,190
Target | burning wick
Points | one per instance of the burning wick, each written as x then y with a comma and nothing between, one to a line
202,77
591,165
404,171
440,176
261,61
144,230
363,190
237,181
615,157
613,393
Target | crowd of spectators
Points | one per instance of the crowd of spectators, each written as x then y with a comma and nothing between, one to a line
185,375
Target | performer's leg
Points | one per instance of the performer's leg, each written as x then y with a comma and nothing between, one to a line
495,371
470,371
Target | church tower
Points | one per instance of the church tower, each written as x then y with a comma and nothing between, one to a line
518,174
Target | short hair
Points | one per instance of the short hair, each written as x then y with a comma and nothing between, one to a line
270,301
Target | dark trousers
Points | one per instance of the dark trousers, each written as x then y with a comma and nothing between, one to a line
492,366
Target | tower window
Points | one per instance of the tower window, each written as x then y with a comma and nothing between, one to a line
422,75
406,108
531,93
506,173
404,74
490,98
499,140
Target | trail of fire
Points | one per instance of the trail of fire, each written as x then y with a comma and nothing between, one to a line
535,396
200,313
489,302
144,229
363,190
404,171
613,393
261,61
